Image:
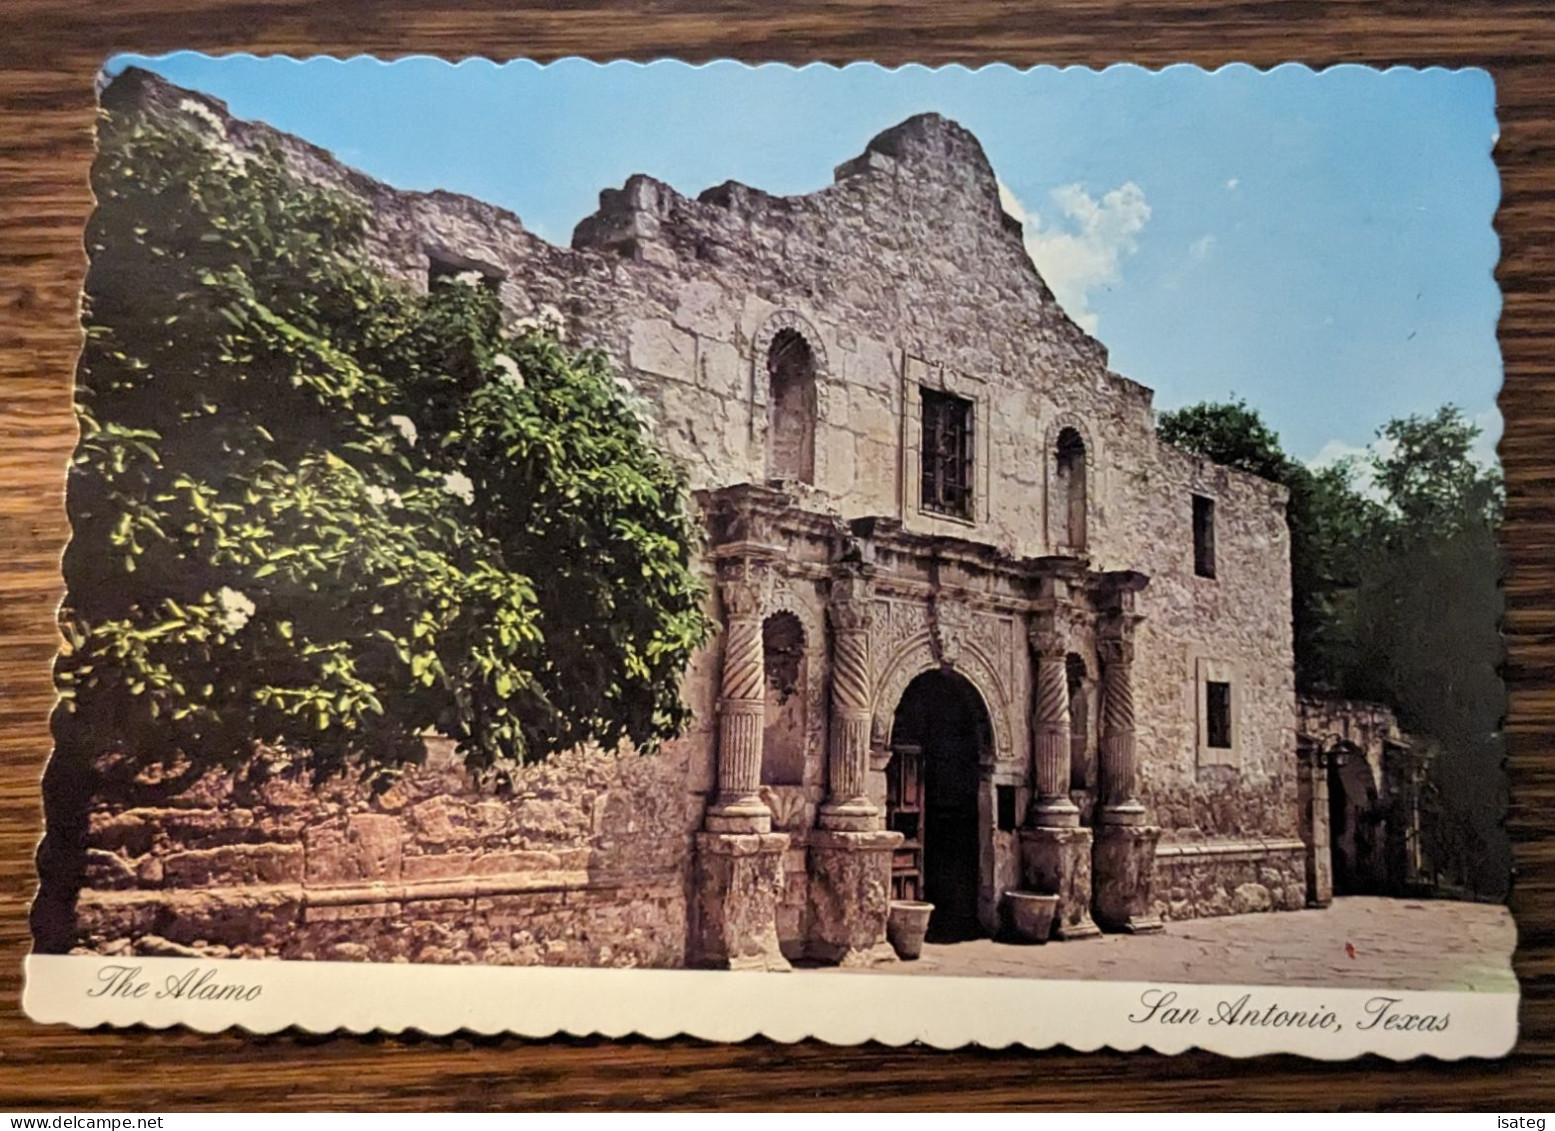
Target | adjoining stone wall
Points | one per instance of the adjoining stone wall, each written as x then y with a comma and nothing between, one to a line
1368,728
1193,881
582,862
1234,627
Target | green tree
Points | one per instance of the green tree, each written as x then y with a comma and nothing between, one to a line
317,513
1395,598
1325,516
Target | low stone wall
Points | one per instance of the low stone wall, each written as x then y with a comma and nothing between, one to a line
1216,877
582,862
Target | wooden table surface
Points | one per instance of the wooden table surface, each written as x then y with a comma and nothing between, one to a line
49,53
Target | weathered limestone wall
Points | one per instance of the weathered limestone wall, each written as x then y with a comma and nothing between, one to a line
904,274
582,863
1229,817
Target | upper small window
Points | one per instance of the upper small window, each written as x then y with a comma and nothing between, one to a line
1203,536
946,454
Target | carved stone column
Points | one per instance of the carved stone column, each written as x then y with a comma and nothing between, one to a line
1124,857
850,854
1118,804
738,807
739,859
850,612
1051,806
1055,850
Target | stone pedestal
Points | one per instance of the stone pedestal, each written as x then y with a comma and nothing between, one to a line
739,881
1057,862
1124,896
850,893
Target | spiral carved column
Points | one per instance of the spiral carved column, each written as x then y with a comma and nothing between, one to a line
851,612
738,807
1052,807
1055,850
1124,857
1118,805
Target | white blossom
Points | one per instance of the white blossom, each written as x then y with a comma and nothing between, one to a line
510,376
204,113
381,496
406,428
547,319
469,278
458,484
236,609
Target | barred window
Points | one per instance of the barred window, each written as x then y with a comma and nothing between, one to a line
946,454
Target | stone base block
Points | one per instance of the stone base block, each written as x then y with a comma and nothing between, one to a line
1124,878
850,893
1057,861
739,882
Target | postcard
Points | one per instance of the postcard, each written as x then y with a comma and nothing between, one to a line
968,556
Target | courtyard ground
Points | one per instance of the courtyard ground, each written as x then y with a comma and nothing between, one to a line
1359,941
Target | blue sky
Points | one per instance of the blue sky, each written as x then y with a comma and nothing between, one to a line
1319,244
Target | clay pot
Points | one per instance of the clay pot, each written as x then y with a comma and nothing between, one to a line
905,925
1031,915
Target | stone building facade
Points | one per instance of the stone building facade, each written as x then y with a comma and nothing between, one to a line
980,630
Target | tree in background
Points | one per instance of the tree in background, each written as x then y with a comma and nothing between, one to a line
1327,518
1395,598
316,514
1424,624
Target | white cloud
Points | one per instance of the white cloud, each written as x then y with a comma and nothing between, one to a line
1011,203
1233,184
1199,249
1085,248
1489,425
1339,451
1483,451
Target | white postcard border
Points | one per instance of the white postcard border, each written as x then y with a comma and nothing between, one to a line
838,1008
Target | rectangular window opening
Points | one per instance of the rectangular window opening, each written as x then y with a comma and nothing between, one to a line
946,454
1217,714
1006,798
1203,536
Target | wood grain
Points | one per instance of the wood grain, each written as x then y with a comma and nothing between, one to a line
49,53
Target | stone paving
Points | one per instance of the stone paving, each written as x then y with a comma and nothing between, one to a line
1359,941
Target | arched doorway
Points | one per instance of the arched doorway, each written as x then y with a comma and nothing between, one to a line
1353,822
939,741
